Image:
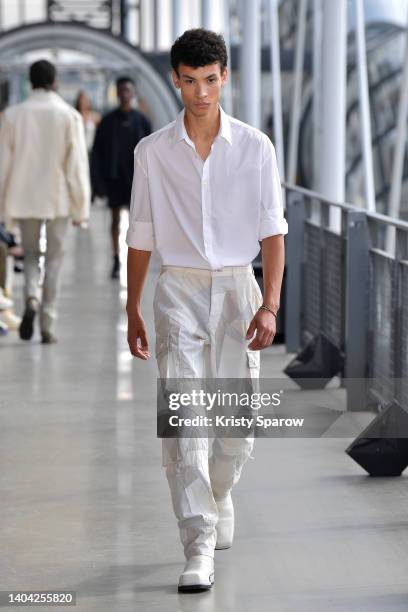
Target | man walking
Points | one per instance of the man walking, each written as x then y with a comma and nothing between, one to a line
112,157
44,178
206,191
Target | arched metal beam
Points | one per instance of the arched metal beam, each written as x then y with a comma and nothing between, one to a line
162,102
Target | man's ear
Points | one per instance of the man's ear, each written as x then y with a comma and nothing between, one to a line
224,77
176,79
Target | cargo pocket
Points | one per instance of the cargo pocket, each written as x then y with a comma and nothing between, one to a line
162,343
257,297
162,354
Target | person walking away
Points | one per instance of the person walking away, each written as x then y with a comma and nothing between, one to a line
44,178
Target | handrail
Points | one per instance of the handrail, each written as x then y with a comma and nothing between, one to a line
399,223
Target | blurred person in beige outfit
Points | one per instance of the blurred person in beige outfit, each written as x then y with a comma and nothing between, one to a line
44,178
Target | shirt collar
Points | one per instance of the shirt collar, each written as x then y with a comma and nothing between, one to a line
39,91
180,132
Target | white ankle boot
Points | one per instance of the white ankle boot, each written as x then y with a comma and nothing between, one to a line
225,525
198,574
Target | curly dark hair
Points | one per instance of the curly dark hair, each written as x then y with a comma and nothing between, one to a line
199,47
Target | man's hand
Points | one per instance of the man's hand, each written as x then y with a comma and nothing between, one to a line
137,337
82,224
264,323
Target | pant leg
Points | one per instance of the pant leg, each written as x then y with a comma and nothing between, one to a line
30,241
233,359
180,308
3,265
56,233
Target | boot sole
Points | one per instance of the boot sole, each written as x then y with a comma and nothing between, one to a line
194,588
27,325
45,340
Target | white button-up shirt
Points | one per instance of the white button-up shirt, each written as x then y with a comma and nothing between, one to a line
205,214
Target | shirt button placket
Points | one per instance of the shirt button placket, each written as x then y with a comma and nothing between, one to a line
205,198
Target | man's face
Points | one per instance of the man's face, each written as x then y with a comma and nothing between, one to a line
200,87
125,93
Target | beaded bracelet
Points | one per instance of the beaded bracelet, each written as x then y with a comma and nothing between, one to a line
264,307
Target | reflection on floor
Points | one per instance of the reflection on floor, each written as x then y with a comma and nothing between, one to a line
85,504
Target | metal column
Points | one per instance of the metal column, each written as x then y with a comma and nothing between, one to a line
356,309
250,68
211,16
227,91
333,153
124,19
276,86
162,28
177,23
296,216
297,93
146,24
364,107
399,153
21,12
317,89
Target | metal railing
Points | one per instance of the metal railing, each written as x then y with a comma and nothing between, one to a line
348,286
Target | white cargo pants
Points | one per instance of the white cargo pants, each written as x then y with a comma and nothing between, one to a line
201,320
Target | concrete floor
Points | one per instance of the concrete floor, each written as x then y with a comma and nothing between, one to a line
85,504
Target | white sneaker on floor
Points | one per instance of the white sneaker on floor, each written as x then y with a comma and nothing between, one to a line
10,319
198,574
5,302
225,524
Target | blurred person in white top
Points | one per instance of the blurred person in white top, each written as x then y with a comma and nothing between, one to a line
207,196
44,178
91,119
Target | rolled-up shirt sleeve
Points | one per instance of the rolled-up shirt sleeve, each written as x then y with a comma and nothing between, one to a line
140,234
272,221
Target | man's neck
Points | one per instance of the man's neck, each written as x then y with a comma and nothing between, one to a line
126,108
203,128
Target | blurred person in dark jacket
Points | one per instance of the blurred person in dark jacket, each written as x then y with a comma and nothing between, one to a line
112,157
